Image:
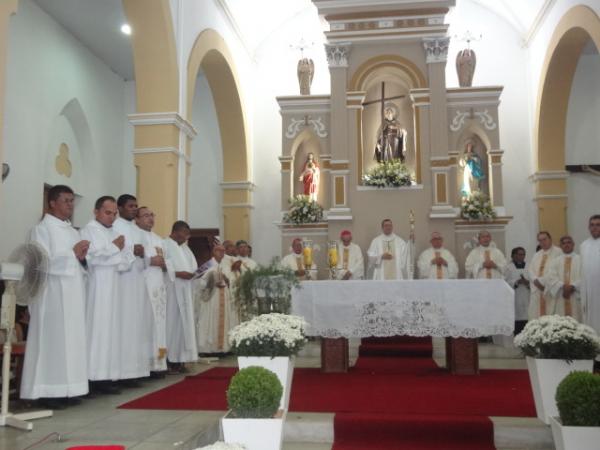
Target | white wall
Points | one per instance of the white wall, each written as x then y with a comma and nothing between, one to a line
50,72
205,197
501,60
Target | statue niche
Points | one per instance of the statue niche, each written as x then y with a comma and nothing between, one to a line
473,163
306,177
387,116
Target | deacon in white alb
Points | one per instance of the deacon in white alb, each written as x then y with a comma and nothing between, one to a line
295,261
134,330
537,271
106,256
215,307
181,329
590,263
56,354
350,264
155,305
485,260
437,263
389,255
563,282
517,276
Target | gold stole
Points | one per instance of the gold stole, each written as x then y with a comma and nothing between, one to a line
487,258
162,351
439,272
567,281
389,265
541,273
345,258
221,331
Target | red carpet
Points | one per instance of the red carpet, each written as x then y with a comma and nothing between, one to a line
396,397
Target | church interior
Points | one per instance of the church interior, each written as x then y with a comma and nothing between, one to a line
207,112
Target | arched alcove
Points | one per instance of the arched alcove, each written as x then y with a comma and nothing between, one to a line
306,142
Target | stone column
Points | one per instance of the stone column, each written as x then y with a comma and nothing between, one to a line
162,165
237,205
495,171
551,197
337,58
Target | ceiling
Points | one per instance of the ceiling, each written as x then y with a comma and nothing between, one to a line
96,23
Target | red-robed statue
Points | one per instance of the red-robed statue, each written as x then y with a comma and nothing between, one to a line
310,177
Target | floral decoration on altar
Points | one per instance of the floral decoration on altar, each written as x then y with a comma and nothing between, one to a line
303,210
477,206
388,174
558,337
222,446
269,335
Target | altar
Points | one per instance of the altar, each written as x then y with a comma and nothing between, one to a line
459,310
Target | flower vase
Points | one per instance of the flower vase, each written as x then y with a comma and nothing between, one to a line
574,438
545,376
282,366
255,434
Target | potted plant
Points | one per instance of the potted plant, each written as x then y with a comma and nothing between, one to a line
265,289
578,401
255,419
554,347
270,341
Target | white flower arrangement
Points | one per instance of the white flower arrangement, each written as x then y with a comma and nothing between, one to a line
558,337
388,174
222,446
303,210
269,335
477,206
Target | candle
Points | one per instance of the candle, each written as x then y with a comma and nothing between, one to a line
333,257
308,257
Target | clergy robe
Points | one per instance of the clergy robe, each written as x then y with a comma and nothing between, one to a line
56,354
215,310
429,271
181,330
564,269
537,270
134,330
590,289
103,311
350,259
295,261
397,268
512,275
474,263
155,302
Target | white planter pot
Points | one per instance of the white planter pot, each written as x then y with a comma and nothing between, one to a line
282,366
545,376
254,434
574,438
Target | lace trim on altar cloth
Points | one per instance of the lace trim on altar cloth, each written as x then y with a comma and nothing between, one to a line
405,317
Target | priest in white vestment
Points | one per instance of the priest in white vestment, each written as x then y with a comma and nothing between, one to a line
517,276
437,263
485,261
56,355
181,329
134,330
215,306
563,282
106,256
389,255
350,263
240,264
537,271
295,262
590,264
155,301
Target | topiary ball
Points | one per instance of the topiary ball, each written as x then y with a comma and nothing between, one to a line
578,400
254,392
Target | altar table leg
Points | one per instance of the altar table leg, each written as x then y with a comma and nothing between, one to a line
334,355
462,356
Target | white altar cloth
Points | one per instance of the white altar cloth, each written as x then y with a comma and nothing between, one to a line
440,308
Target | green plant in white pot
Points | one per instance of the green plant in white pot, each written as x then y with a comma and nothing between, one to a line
270,341
554,347
578,401
255,419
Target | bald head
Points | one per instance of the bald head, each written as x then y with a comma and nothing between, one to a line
230,248
484,238
218,252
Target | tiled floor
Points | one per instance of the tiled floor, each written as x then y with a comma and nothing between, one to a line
97,421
